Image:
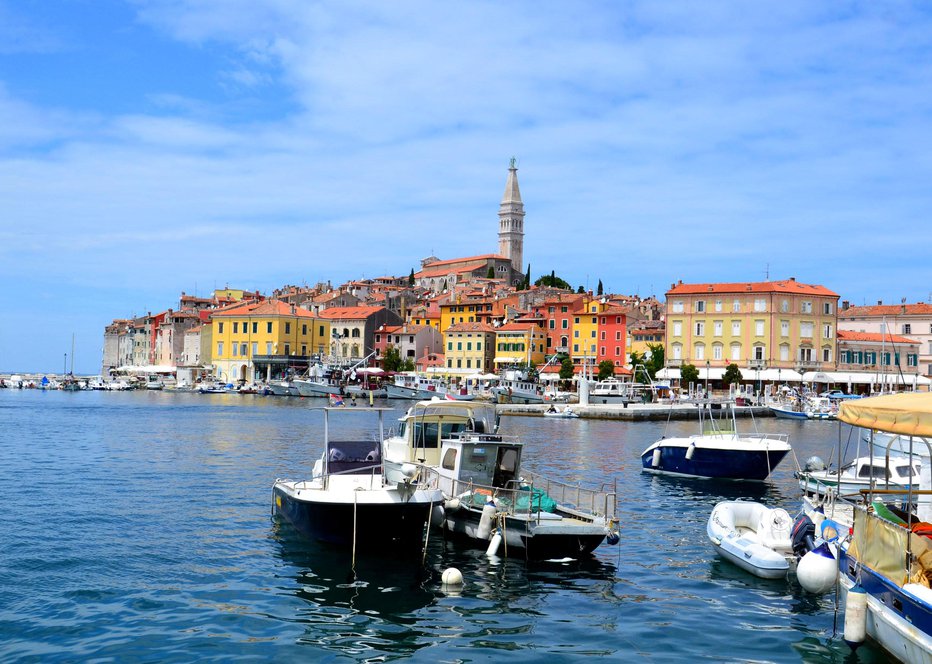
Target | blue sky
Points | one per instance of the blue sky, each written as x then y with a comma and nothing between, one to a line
150,147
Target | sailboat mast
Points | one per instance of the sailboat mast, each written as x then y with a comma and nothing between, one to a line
72,353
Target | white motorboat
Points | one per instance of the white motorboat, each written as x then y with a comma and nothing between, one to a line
718,451
307,387
350,500
866,472
491,501
154,382
413,386
752,536
561,412
613,391
283,388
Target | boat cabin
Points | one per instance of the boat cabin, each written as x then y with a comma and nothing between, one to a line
427,423
479,459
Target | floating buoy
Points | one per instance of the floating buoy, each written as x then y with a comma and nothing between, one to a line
486,521
855,617
691,450
451,577
613,537
656,460
494,544
817,570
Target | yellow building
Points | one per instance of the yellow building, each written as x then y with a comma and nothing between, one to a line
584,342
776,325
519,343
469,311
265,339
469,348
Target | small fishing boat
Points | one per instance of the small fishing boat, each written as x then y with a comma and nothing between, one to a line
788,411
491,501
718,451
350,501
752,536
861,473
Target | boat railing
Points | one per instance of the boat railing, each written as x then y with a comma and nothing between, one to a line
600,501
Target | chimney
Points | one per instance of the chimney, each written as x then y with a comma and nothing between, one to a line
845,305
792,278
879,302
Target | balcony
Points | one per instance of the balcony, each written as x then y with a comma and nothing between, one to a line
808,365
670,362
757,364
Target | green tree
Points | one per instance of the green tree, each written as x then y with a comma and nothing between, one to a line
654,363
553,281
732,375
635,358
527,278
443,285
407,365
391,360
566,369
606,369
411,277
599,291
689,375
491,273
580,290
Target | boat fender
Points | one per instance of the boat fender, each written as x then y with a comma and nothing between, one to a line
486,521
855,617
691,450
816,571
655,462
451,577
613,538
494,544
451,505
437,516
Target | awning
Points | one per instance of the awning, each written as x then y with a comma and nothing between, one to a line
717,373
714,373
505,359
864,378
908,414
145,368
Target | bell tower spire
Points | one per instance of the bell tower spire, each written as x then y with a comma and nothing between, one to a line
511,221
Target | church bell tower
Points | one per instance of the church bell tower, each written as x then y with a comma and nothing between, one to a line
511,222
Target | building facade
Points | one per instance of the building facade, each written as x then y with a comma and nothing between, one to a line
908,320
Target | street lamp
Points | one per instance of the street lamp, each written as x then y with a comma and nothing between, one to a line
708,365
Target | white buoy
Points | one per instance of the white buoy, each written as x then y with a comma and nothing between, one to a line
408,470
817,570
451,577
486,521
855,617
451,505
494,544
655,461
691,450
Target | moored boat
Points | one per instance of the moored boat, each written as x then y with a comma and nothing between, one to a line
897,472
350,501
752,536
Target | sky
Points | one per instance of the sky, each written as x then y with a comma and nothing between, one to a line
150,147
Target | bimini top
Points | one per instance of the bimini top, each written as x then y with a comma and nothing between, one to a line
906,414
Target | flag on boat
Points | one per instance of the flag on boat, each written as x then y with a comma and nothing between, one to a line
336,400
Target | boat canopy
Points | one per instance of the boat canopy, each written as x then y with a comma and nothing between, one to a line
906,414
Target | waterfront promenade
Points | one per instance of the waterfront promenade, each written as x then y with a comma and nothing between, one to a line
632,412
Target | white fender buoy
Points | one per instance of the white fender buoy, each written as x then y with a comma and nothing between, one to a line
451,505
691,450
486,521
451,577
655,461
816,571
409,470
494,544
855,617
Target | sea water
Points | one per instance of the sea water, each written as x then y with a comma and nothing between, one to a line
136,526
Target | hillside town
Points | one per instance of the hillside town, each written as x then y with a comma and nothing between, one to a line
459,319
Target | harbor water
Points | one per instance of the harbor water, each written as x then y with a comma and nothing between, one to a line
136,526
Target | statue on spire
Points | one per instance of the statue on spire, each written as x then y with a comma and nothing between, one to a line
513,162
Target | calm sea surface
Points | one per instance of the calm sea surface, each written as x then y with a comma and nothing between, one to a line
136,527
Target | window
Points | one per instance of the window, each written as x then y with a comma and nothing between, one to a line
784,328
268,347
805,355
736,306
700,328
758,352
700,306
593,320
478,345
235,349
449,345
699,351
551,323
220,327
677,351
826,331
220,348
912,360
468,345
287,349
678,307
716,351
255,328
468,363
255,348
235,328
602,351
907,328
304,329
760,304
242,350
565,324
827,308
617,351
268,327
784,306
575,348
736,328
563,310
735,351
805,307
885,359
717,328
759,328
576,320
320,331
805,329
844,357
718,305
784,352
592,334
826,354
677,329
355,333
602,335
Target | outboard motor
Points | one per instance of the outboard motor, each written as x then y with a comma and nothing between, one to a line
803,536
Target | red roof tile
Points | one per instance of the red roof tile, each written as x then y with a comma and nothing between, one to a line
786,286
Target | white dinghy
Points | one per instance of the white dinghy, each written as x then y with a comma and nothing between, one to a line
754,537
